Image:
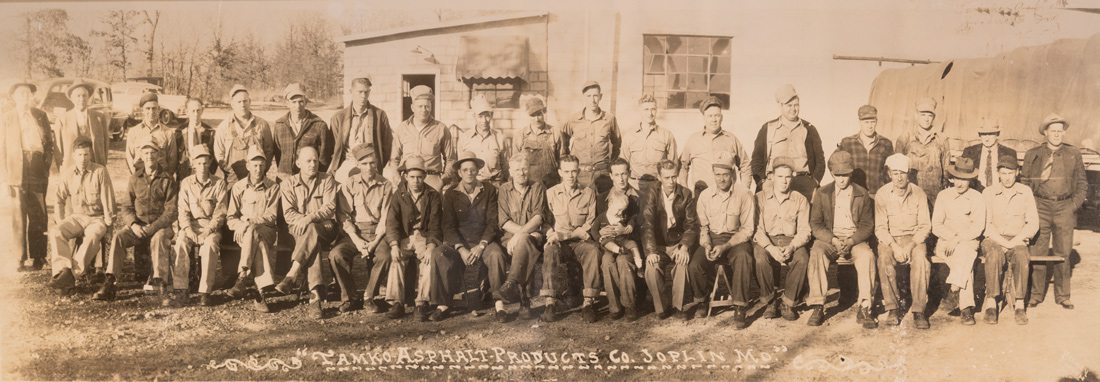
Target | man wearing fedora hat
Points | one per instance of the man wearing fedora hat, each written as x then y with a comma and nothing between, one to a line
148,220
297,128
1056,174
361,209
426,137
414,231
28,167
150,128
253,207
791,137
593,137
987,155
470,237
85,210
1012,219
928,151
902,225
541,143
647,145
868,150
309,206
782,232
81,122
203,200
842,221
703,146
483,142
958,220
236,133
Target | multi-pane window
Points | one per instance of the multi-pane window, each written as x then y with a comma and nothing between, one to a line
501,93
682,71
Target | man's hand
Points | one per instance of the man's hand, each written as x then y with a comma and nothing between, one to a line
901,252
465,254
238,235
653,260
366,250
475,254
138,230
775,252
681,255
515,242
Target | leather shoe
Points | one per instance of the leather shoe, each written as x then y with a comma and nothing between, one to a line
772,310
817,316
396,311
920,321
967,316
316,307
106,292
990,316
665,314
618,314
788,312
351,305
869,321
205,299
893,317
239,288
509,291
439,315
379,306
500,316
688,312
422,312
287,286
261,306
1066,304
1021,317
632,314
701,311
588,312
549,313
63,280
739,321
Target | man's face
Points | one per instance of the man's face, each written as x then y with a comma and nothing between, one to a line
538,119
842,181
297,105
194,112
781,179
1055,133
256,169
520,171
592,96
468,171
368,165
82,157
723,178
1007,176
668,179
242,104
422,108
988,140
568,172
201,166
22,96
712,118
960,184
149,156
789,110
899,179
620,176
79,96
149,111
867,127
924,119
359,95
415,179
649,113
483,119
307,162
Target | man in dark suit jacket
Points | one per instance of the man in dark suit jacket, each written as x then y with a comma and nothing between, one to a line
38,147
793,137
360,123
670,235
414,231
983,155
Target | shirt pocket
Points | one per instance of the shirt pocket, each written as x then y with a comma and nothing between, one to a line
91,193
733,220
578,218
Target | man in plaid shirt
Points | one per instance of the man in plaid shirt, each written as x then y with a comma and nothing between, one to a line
869,150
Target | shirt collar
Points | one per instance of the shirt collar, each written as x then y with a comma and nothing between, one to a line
771,194
477,190
209,180
715,135
646,128
925,136
538,130
475,134
583,115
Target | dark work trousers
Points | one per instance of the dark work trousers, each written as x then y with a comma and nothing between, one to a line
1057,220
701,271
342,259
767,267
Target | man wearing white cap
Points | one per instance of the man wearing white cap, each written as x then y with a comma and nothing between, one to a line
203,200
424,136
703,146
484,143
85,188
593,137
958,220
986,154
791,137
299,128
236,133
928,152
902,225
81,122
253,206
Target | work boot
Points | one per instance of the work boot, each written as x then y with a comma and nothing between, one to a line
817,316
260,303
702,311
509,291
1067,304
893,317
288,285
350,305
549,312
205,299
632,314
1021,317
616,315
63,280
439,315
772,310
739,321
588,312
920,321
177,299
990,315
396,311
316,303
239,288
869,320
107,291
525,311
500,316
422,312
378,306
967,316
788,311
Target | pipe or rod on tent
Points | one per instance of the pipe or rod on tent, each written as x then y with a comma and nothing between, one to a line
880,60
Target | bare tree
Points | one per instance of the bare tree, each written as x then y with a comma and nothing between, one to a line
119,38
152,21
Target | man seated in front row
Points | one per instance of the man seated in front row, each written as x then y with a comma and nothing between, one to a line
782,232
1012,218
522,205
958,220
309,205
203,200
842,220
902,225
414,230
670,234
361,209
573,208
86,190
618,225
253,206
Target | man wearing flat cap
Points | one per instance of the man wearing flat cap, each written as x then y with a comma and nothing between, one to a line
868,150
958,220
484,143
148,220
150,128
541,143
298,128
470,237
927,151
1012,219
842,220
415,232
702,147
309,206
726,212
253,207
85,210
30,149
81,122
236,133
902,224
203,200
361,209
647,145
782,233
791,137
423,136
593,137
987,154
360,123
1056,174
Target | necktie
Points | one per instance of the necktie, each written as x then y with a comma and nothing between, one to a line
1047,169
988,167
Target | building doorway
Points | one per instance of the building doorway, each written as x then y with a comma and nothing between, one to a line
409,81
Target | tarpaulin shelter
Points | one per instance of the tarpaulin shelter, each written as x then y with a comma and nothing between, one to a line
1015,90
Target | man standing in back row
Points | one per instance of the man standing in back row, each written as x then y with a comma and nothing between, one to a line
792,137
593,137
